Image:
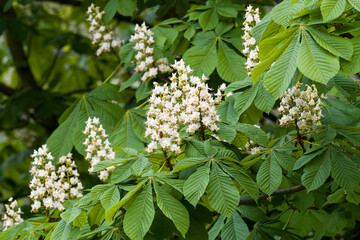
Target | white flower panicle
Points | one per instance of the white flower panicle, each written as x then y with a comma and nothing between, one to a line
198,104
98,147
12,217
301,107
162,120
145,62
69,177
251,50
187,101
49,187
101,35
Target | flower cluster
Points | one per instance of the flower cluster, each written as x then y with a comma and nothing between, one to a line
69,177
302,108
144,58
101,35
187,101
11,217
50,187
251,147
251,49
98,147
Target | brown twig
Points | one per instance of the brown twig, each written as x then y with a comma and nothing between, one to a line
284,191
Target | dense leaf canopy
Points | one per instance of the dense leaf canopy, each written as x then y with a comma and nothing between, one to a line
257,173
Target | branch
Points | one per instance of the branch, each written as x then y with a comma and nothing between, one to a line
18,54
67,2
263,196
6,90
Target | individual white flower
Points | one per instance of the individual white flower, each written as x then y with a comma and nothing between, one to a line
301,107
101,35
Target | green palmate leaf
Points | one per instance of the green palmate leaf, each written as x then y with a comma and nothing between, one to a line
108,163
346,86
355,4
315,62
270,175
227,112
351,133
280,13
138,119
204,39
331,9
188,162
127,53
353,197
251,212
344,170
164,34
278,78
239,85
135,77
264,100
122,172
268,46
209,19
260,28
140,215
111,212
110,197
252,115
218,226
172,209
196,184
242,178
96,215
202,59
63,133
70,214
245,99
285,160
353,66
230,65
178,184
338,46
105,91
61,232
125,136
235,228
337,197
189,33
226,132
222,193
317,171
252,132
325,136
143,91
80,220
124,7
258,71
310,3
196,149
